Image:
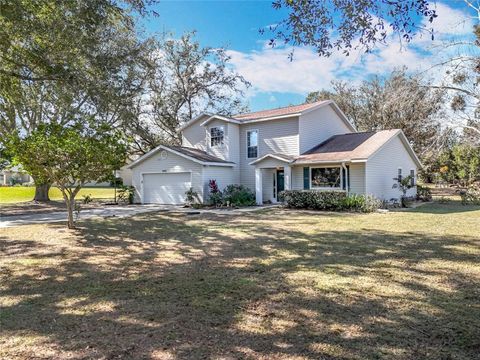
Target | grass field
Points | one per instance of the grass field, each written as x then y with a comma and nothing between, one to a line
16,194
276,284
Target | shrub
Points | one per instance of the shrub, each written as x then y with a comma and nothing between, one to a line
216,197
191,196
471,196
424,193
328,200
238,195
126,194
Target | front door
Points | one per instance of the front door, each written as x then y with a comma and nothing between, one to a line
280,182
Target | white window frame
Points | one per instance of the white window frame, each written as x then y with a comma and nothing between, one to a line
258,143
339,188
210,136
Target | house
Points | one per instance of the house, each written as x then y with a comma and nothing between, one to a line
14,175
309,146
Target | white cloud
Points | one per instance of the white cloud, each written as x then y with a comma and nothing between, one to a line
450,21
270,70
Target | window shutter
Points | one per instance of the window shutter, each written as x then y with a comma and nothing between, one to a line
306,178
412,179
344,177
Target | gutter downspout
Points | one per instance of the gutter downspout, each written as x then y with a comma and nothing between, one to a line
347,184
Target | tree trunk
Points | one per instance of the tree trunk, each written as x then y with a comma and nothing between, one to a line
70,208
41,192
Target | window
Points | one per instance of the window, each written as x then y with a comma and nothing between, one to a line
252,144
399,177
216,136
412,177
325,177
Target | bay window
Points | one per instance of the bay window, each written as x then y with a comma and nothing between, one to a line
325,177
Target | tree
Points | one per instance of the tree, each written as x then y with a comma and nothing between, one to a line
37,36
101,77
188,80
344,25
397,101
403,185
71,156
461,83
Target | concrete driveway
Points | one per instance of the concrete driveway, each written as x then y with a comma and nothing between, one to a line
107,211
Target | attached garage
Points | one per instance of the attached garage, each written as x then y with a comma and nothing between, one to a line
166,188
163,175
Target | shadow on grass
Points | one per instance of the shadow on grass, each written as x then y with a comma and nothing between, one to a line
219,286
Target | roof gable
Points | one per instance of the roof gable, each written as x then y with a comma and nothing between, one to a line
354,147
195,155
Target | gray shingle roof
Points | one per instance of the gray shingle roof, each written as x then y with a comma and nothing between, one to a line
347,147
198,154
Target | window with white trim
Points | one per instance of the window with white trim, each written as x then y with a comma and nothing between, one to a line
216,136
325,177
252,144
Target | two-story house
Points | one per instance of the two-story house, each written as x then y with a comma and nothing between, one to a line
309,146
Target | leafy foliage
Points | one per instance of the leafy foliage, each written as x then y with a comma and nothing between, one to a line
238,195
424,193
187,80
471,196
345,25
191,196
126,194
215,197
458,164
399,101
328,200
404,184
71,156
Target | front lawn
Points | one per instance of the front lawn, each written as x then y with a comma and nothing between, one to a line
16,194
276,284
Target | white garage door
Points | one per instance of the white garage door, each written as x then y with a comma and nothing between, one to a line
165,188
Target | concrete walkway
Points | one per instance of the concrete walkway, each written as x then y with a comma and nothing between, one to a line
116,211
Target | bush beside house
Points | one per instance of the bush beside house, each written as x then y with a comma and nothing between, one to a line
328,200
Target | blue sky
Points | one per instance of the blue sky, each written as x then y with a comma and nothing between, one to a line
275,80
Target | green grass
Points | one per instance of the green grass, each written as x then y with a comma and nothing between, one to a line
17,194
279,284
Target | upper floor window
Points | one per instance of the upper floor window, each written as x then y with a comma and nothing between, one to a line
252,143
216,136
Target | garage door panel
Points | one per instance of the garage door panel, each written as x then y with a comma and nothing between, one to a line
166,188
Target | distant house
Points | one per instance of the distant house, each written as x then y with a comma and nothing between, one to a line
14,175
309,146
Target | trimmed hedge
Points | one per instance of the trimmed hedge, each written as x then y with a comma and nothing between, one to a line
328,200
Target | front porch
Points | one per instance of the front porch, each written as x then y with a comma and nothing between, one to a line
275,173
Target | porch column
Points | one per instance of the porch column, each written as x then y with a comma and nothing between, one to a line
287,170
258,186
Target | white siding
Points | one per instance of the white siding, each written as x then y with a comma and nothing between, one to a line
357,179
383,167
194,135
220,151
297,178
318,125
276,136
223,175
267,186
173,163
